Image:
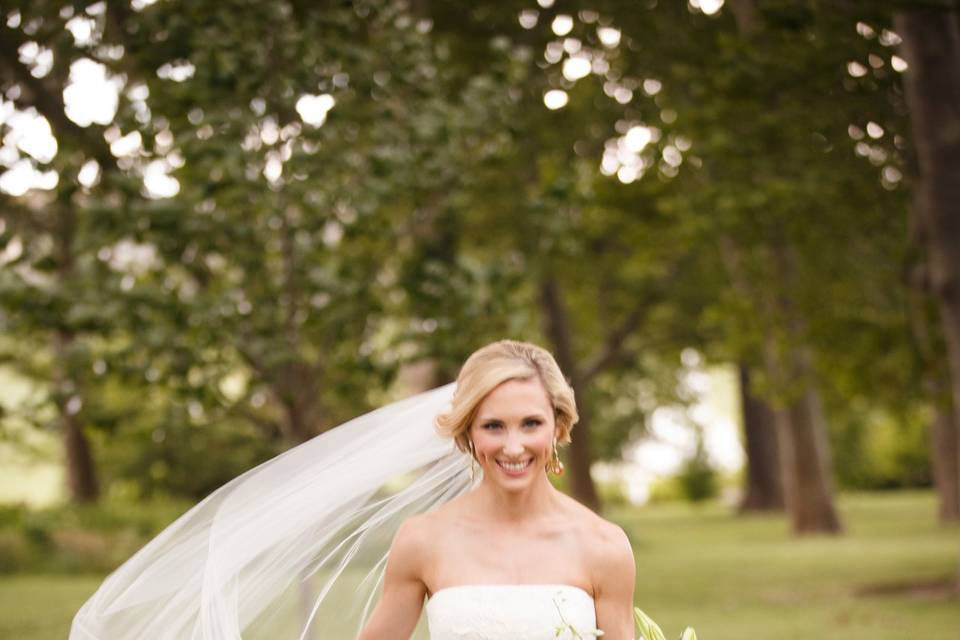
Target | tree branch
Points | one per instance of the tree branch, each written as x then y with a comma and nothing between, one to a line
269,427
613,345
612,348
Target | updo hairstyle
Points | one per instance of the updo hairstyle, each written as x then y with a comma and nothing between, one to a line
491,366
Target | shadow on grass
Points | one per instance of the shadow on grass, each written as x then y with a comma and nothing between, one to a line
939,588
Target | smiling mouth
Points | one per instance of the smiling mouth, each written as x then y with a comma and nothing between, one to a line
514,468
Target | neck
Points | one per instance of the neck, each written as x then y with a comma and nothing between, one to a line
514,506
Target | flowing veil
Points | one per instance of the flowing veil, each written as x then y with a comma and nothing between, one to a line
294,548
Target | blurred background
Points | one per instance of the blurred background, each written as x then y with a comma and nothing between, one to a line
226,227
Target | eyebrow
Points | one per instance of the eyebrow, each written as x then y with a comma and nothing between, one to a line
488,420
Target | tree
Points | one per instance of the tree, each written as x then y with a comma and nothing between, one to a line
764,488
50,292
362,185
264,272
931,48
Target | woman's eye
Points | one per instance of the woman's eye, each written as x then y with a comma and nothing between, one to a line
491,425
532,422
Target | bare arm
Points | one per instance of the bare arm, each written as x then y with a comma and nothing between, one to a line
396,615
615,573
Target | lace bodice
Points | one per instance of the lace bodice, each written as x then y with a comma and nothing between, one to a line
511,612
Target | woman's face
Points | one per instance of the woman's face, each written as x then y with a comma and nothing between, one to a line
513,433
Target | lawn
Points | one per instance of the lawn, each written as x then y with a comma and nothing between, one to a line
746,578
731,578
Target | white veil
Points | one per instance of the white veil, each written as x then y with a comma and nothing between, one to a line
294,548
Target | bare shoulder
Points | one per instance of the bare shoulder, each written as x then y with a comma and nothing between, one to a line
606,546
411,542
612,552
603,532
610,561
612,539
422,529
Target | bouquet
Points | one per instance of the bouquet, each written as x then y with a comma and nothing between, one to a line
650,630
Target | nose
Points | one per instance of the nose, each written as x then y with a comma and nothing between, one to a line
513,446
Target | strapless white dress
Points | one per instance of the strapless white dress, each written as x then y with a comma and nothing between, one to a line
511,612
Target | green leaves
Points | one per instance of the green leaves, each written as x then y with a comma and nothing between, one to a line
650,630
416,220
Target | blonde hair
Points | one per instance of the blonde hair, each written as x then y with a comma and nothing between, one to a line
491,366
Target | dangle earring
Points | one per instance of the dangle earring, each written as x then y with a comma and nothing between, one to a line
473,463
555,465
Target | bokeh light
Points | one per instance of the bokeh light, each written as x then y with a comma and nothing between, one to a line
313,109
562,25
576,67
555,99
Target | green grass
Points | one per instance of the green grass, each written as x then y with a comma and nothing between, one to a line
35,607
730,578
745,578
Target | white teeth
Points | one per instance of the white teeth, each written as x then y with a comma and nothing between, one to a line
515,467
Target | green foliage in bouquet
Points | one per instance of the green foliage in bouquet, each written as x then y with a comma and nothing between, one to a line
650,630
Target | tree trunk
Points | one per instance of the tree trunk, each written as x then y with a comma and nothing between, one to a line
931,48
297,384
764,488
801,429
297,389
804,452
296,428
558,330
805,458
82,482
81,474
945,455
745,15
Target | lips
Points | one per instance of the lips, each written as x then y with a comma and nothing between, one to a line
514,468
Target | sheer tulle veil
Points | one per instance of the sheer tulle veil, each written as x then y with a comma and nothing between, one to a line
294,548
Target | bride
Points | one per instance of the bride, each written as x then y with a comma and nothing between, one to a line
454,481
513,558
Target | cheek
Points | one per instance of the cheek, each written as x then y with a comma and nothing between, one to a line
548,442
542,442
482,443
551,435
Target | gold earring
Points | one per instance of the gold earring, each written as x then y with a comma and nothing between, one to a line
473,462
555,465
